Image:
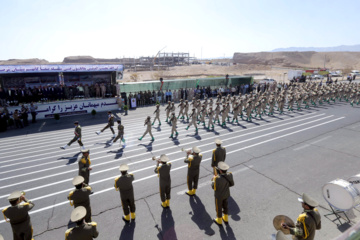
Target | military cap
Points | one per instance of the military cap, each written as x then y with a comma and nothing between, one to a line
78,180
181,100
223,166
85,150
193,109
123,167
186,101
173,113
109,111
196,149
76,122
148,117
172,103
308,200
169,101
158,105
78,213
218,141
164,158
15,195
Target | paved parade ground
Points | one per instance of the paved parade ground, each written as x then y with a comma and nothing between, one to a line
273,160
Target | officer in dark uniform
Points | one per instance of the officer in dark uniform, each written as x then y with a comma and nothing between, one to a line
221,185
308,222
81,196
109,125
193,162
163,172
19,216
83,230
124,184
84,166
218,155
77,137
120,134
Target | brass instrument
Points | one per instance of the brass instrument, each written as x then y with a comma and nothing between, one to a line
188,151
23,193
156,159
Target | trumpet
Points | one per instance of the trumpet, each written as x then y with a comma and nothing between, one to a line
188,151
154,158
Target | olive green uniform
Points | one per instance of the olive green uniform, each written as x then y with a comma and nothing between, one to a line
86,231
306,225
221,186
124,184
81,197
84,164
193,170
20,220
120,133
218,155
77,137
163,172
110,124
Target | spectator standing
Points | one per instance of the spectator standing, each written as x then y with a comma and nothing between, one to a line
33,112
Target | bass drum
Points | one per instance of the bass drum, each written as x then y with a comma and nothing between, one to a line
341,194
355,180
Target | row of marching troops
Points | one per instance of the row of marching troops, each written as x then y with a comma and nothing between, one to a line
18,216
259,103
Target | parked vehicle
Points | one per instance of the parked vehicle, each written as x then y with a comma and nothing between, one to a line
267,80
317,76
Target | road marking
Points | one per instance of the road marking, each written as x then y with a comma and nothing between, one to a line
42,125
302,147
175,169
322,139
209,182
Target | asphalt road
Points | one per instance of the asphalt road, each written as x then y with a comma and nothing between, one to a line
274,160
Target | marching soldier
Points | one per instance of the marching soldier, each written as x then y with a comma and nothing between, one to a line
236,110
168,109
148,128
120,134
186,110
77,137
202,115
181,106
308,222
223,113
84,165
193,162
157,116
193,120
211,115
173,108
218,155
173,121
81,196
217,112
18,216
109,125
83,230
221,185
125,186
163,172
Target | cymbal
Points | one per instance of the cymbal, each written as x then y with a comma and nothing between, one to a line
279,220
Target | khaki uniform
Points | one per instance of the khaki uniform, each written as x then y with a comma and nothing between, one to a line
211,115
193,120
306,224
86,231
181,106
84,164
110,124
157,115
124,184
221,185
173,121
186,110
20,220
193,170
217,112
218,155
81,197
77,137
168,109
120,133
163,172
148,128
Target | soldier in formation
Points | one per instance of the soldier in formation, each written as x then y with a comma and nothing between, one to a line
109,125
157,116
193,160
163,172
84,165
77,137
148,129
120,134
83,229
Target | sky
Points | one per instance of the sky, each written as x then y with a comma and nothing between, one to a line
52,30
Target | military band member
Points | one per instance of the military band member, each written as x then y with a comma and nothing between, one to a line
218,155
211,116
81,196
221,185
83,230
168,109
125,186
148,128
308,222
84,165
18,216
77,137
157,116
193,120
163,172
120,134
109,125
173,121
193,173
181,106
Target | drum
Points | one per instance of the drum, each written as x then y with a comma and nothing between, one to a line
355,180
341,194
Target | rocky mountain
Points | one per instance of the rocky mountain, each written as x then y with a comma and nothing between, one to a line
342,48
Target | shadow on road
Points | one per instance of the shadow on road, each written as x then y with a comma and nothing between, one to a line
147,146
118,153
127,233
167,226
200,216
72,159
234,209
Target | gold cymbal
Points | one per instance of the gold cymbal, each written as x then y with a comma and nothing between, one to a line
279,220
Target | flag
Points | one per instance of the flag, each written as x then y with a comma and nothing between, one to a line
197,83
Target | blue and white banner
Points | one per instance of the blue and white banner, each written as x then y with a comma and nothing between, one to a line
68,108
8,69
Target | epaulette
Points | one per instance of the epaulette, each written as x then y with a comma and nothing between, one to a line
70,194
88,188
200,154
191,158
68,232
94,224
301,217
169,163
26,204
131,174
83,160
